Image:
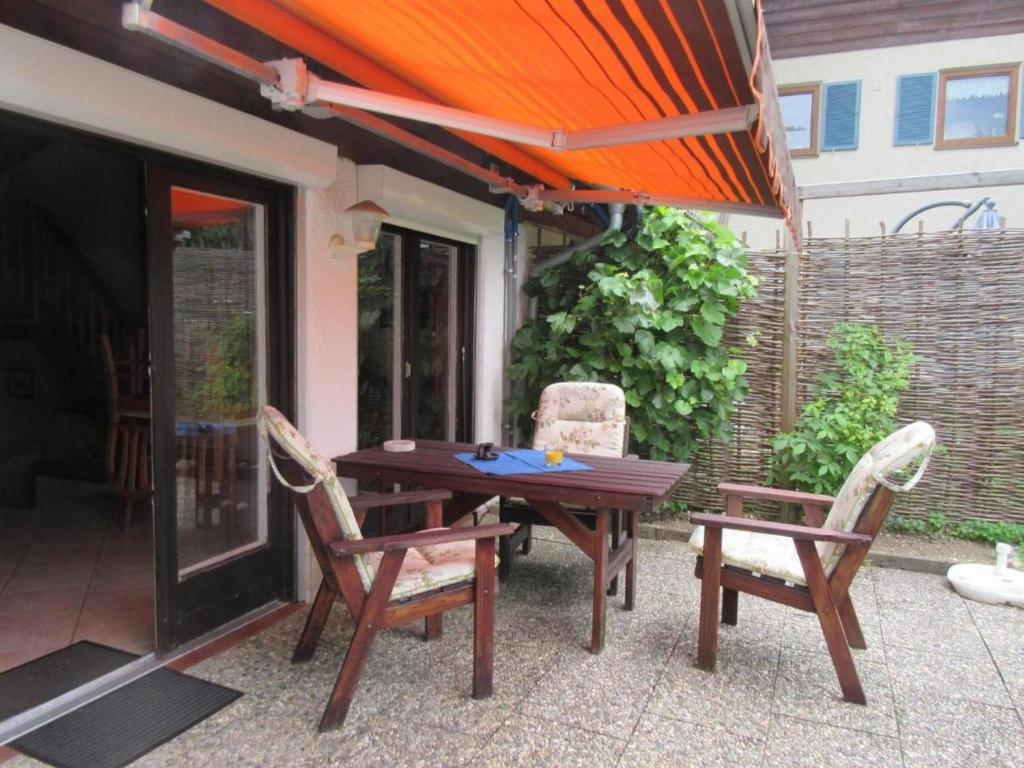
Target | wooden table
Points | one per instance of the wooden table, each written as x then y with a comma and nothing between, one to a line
614,484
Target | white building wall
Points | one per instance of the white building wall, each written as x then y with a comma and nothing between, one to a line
877,158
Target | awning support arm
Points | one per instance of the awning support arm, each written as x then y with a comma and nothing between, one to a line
297,89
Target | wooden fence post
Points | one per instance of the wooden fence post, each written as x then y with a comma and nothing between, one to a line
790,345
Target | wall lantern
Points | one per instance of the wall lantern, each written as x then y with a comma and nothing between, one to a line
364,219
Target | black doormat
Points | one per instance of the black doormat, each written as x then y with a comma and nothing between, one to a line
127,723
49,676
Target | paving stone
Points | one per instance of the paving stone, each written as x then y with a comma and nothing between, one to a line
528,743
663,741
605,693
737,696
961,734
1002,629
894,586
803,630
807,688
929,677
946,629
795,743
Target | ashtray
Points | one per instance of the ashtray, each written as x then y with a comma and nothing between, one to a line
399,446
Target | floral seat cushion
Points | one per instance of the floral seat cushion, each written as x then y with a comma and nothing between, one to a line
432,567
581,417
776,555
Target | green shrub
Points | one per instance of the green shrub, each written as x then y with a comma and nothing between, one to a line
647,313
854,407
990,531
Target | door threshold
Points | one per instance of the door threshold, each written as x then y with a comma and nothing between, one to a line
17,726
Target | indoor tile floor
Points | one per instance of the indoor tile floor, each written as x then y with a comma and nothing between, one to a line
69,572
944,678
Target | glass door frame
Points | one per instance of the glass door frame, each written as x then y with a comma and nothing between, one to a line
187,608
464,339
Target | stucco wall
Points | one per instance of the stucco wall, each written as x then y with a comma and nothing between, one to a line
327,305
877,158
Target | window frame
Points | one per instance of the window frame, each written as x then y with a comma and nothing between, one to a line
815,90
1012,71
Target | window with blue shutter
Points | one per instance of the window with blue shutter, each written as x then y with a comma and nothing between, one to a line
840,115
915,109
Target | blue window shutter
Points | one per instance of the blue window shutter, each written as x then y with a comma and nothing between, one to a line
915,109
840,115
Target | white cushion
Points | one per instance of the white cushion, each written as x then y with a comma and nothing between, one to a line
759,552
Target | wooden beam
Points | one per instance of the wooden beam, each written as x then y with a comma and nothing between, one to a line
942,181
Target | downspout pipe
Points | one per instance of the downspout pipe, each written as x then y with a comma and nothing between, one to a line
616,211
511,270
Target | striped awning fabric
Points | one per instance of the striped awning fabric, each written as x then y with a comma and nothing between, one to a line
575,64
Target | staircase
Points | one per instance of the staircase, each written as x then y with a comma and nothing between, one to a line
50,296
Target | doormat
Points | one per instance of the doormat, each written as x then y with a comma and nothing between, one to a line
47,677
127,723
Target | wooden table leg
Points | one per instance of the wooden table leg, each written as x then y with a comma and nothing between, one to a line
613,588
434,625
600,557
632,516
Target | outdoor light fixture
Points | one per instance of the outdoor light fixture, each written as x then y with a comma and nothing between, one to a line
989,218
364,220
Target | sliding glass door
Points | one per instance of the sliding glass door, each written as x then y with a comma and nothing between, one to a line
219,294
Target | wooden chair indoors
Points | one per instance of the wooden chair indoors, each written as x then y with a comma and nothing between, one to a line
809,566
387,580
127,460
584,418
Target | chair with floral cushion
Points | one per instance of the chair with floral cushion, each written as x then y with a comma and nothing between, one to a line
387,580
585,418
809,566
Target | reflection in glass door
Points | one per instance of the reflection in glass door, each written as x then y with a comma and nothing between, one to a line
218,265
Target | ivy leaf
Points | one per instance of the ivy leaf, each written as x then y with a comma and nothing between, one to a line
624,324
683,407
706,332
712,311
645,341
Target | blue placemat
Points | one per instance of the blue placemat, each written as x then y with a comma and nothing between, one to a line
521,461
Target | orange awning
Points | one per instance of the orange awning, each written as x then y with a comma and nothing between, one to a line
574,65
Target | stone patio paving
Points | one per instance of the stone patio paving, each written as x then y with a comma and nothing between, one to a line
944,678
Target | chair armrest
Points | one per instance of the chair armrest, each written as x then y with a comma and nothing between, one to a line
774,494
375,500
790,531
420,539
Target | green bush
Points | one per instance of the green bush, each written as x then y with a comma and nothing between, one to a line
990,531
647,313
854,407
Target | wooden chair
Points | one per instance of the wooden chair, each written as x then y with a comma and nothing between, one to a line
387,580
583,418
128,428
809,566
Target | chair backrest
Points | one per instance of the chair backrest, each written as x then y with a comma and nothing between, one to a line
582,417
277,430
904,447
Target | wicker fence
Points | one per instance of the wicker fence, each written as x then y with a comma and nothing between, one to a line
959,298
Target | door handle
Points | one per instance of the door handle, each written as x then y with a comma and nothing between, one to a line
408,370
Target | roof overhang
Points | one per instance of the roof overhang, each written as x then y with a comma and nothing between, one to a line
645,102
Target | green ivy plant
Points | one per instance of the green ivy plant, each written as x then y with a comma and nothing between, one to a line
646,312
854,407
